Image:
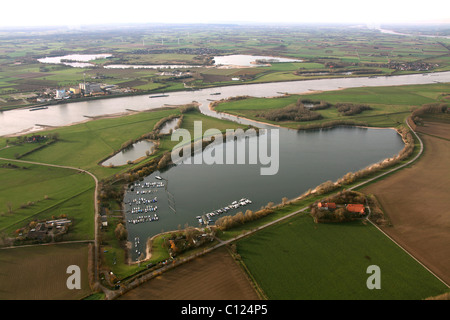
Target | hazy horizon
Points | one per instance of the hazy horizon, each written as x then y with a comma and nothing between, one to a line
48,13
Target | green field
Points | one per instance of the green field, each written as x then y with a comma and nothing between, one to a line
36,192
390,105
298,259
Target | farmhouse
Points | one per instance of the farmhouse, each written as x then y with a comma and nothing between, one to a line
355,208
49,228
327,205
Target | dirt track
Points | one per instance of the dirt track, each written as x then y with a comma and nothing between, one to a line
215,276
417,202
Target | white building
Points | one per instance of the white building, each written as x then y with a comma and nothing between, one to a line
89,88
60,94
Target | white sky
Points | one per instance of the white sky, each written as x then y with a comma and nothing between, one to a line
86,12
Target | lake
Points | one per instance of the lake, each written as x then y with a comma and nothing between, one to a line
243,60
131,153
307,158
78,60
150,66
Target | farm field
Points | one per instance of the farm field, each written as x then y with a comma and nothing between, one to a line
215,276
31,192
300,260
416,201
39,272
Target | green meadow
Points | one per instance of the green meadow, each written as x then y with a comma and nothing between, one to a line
32,192
300,260
390,105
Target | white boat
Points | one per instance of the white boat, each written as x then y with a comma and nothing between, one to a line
158,177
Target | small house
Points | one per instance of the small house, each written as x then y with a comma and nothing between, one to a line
327,205
356,208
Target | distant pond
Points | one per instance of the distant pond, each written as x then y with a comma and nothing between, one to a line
75,60
131,153
244,60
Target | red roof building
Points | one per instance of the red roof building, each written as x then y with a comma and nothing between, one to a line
356,208
327,205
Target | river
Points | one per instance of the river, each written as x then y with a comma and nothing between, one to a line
23,120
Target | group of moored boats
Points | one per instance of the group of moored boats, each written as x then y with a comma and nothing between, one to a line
137,241
147,185
139,201
207,218
146,209
142,219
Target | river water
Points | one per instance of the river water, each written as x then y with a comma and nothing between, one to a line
23,120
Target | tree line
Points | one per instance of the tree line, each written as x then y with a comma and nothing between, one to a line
304,110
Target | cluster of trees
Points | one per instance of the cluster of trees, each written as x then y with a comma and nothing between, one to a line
296,112
228,222
325,187
50,139
340,214
430,108
347,196
316,105
349,109
304,110
376,213
187,239
121,232
331,124
161,122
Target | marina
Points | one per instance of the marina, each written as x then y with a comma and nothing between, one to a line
208,217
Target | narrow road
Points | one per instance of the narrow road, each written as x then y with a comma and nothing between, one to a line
96,209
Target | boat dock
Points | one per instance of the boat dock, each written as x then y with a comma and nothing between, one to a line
207,218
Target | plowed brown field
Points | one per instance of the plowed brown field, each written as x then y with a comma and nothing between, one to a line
214,276
39,272
417,201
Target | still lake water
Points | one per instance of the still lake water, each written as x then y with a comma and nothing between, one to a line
132,153
81,59
243,60
306,160
140,148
